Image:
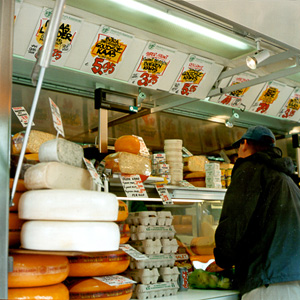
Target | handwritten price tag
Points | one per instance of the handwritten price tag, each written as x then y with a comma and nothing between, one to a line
163,194
93,172
133,186
115,280
133,252
56,116
22,115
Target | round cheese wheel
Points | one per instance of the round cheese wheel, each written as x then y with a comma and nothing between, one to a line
127,143
15,225
95,289
52,292
70,236
31,270
123,211
106,263
68,205
125,233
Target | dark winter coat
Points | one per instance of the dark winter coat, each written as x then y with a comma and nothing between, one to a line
259,228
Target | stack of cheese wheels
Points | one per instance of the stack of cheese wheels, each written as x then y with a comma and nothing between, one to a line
15,223
38,277
92,288
173,151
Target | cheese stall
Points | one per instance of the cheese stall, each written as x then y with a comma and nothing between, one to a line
117,120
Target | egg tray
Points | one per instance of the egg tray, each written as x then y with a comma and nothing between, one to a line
162,218
154,261
142,232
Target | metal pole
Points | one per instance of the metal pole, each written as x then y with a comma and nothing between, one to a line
6,50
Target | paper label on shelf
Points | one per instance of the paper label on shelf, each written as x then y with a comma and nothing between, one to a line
191,75
133,186
152,65
115,280
132,252
67,34
56,117
22,115
93,172
267,97
290,109
235,98
107,52
163,194
186,151
186,184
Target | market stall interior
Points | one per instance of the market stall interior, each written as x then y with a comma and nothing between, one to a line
167,71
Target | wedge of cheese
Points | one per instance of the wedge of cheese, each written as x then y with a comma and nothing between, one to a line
194,163
57,175
68,205
70,236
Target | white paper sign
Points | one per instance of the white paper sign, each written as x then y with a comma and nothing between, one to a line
163,194
291,108
56,116
186,151
93,172
67,33
133,186
152,65
22,115
115,280
191,75
133,252
107,52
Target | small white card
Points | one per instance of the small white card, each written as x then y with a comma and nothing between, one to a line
132,252
56,116
186,151
93,172
133,186
115,280
22,115
163,194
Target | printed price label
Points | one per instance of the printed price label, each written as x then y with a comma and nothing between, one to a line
164,194
132,252
186,184
22,115
93,172
56,116
133,186
115,280
186,151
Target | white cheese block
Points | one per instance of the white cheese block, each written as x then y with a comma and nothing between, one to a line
56,175
68,205
70,236
61,150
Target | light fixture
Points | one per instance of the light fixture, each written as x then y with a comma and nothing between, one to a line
230,122
258,57
142,8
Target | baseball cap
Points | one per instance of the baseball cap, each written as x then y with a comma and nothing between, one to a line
257,133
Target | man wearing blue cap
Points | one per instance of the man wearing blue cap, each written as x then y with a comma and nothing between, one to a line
259,227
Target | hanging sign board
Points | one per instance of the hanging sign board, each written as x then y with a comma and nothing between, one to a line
191,76
18,4
107,52
66,36
268,97
22,115
56,117
152,65
291,108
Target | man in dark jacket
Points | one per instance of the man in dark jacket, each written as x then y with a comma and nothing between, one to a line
259,227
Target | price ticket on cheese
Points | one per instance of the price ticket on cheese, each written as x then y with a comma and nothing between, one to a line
132,252
115,280
22,115
93,172
163,194
56,116
133,186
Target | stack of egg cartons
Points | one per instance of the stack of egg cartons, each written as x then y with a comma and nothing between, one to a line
153,235
173,151
213,175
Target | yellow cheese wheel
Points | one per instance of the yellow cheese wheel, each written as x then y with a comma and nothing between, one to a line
15,225
52,292
95,289
106,263
123,211
124,233
127,143
31,270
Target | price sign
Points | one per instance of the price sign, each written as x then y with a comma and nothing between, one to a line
186,151
163,194
22,115
115,280
291,108
56,116
133,186
133,252
93,172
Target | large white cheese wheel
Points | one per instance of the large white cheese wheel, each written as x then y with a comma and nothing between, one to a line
68,205
70,236
56,175
61,150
